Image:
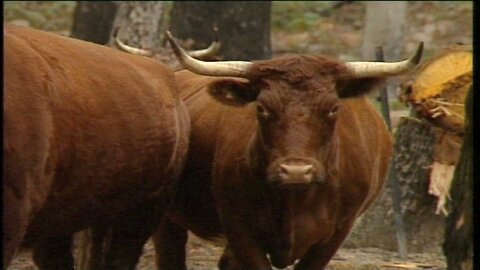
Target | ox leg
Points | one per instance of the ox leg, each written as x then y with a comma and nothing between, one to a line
129,232
318,256
243,251
54,253
90,247
227,260
170,240
247,257
117,243
15,225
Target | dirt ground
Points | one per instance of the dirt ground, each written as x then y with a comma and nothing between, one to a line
438,25
204,255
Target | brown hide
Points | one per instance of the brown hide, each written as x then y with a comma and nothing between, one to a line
88,131
226,187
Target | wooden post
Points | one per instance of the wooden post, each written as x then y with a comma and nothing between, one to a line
392,177
383,92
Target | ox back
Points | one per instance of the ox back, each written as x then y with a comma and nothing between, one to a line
88,132
224,189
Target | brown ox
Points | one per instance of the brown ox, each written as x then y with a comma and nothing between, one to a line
91,135
281,163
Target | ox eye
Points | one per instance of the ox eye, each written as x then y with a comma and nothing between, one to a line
333,112
262,112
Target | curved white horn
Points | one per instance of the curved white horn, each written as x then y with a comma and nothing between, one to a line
381,69
199,54
221,68
210,51
130,49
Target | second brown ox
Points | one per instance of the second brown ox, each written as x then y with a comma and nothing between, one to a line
283,159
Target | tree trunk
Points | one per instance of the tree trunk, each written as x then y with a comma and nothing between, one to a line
244,27
414,143
458,245
139,23
385,27
92,21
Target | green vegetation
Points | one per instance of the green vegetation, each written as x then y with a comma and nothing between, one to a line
46,15
298,16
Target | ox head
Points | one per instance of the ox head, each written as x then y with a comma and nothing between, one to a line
297,100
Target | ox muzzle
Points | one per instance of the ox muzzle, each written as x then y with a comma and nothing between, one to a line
296,172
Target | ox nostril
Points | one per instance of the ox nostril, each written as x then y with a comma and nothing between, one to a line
308,169
283,172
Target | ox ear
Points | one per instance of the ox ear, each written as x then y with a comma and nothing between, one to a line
234,92
347,88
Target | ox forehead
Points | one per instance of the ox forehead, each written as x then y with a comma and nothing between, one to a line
297,103
303,80
298,69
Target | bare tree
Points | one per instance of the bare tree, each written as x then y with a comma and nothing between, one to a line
244,26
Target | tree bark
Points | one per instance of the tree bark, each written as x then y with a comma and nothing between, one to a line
92,21
458,244
244,27
139,23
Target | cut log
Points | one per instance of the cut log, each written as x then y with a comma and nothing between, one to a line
439,88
